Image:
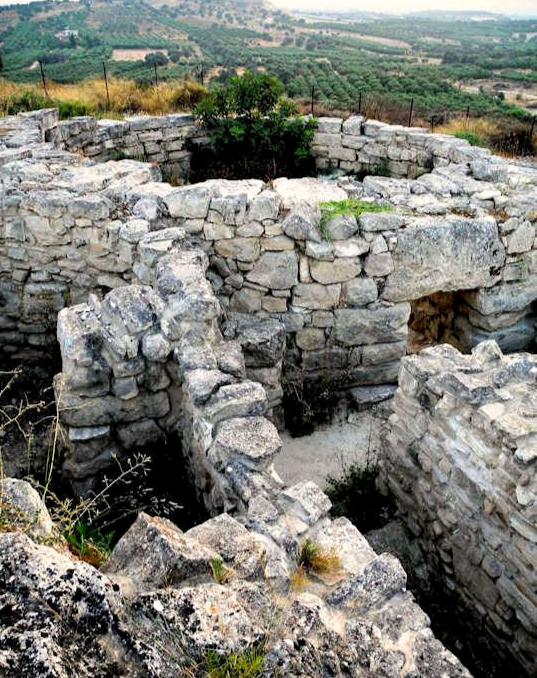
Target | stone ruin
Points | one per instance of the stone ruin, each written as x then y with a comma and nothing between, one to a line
181,311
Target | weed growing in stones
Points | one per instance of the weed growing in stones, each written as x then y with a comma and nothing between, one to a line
247,664
351,206
89,544
355,496
221,573
312,557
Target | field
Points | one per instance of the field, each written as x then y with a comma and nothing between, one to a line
446,62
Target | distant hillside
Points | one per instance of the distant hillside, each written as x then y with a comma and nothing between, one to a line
444,61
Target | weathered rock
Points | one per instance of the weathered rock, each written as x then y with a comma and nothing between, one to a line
154,553
275,270
356,327
23,509
302,222
453,255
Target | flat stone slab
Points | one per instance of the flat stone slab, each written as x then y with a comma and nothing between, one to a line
444,254
308,190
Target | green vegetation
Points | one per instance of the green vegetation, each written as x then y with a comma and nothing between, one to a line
221,573
471,137
444,63
355,496
247,664
253,132
89,544
312,557
351,206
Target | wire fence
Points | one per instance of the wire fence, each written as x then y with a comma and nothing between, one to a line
149,73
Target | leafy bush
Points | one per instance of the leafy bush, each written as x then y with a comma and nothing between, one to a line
72,109
27,100
472,138
253,132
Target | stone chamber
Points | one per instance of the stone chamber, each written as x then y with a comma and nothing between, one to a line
185,312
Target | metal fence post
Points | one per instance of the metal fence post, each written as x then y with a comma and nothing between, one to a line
43,78
106,85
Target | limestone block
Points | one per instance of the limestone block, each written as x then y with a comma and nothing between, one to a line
275,270
380,221
340,270
353,247
200,384
274,304
302,222
252,440
329,125
381,353
521,240
213,231
448,255
312,191
247,399
243,249
189,202
377,265
232,208
316,296
358,327
503,298
25,509
323,251
277,243
306,501
341,226
79,411
266,205
310,338
359,292
154,553
353,125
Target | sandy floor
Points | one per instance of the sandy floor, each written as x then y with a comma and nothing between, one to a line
329,450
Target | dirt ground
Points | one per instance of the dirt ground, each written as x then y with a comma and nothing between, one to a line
330,449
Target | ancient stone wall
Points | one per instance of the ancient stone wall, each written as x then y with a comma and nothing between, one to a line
70,228
156,139
459,457
149,362
359,145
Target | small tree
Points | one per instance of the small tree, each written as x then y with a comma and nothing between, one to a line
253,130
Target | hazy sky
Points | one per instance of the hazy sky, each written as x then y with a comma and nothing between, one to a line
501,6
509,7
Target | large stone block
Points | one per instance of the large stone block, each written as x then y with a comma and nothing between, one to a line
275,270
383,324
316,296
340,270
504,298
445,255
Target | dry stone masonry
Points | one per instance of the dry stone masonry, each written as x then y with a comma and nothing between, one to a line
181,310
460,457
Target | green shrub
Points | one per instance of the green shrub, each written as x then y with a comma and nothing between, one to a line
28,100
471,137
72,109
253,132
89,544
